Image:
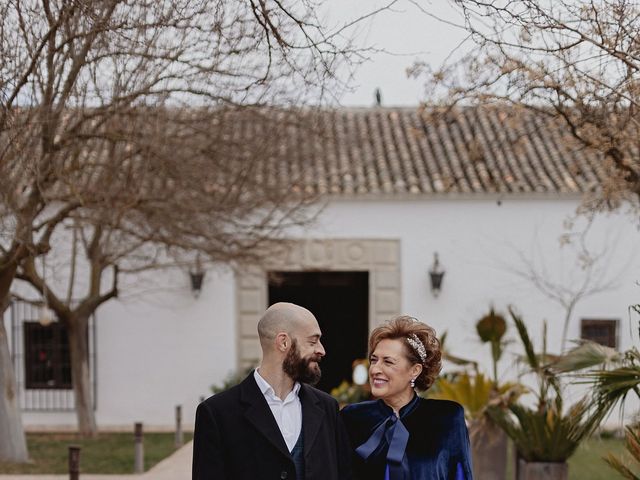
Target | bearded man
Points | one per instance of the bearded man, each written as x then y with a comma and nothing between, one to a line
275,425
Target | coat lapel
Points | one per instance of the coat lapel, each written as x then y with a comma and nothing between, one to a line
259,414
312,416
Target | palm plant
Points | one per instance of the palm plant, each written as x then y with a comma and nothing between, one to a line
618,373
475,392
471,388
613,385
617,376
546,433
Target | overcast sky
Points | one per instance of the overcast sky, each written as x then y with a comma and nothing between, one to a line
407,34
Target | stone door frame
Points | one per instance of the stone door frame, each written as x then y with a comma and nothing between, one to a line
379,257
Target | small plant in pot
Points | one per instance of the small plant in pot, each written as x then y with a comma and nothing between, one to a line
476,392
545,434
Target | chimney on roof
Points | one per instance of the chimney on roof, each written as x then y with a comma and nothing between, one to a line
378,95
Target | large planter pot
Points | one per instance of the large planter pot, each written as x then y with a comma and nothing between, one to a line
542,470
488,449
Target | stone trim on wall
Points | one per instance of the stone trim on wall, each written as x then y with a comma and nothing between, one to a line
381,258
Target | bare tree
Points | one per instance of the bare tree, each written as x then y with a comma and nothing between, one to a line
127,124
14,446
576,60
589,274
161,202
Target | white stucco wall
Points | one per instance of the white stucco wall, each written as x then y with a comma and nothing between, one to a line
158,350
478,241
166,348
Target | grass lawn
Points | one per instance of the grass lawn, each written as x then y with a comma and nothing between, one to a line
113,453
587,462
109,453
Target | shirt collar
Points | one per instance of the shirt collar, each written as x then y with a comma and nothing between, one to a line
267,389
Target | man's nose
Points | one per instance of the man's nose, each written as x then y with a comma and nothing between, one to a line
320,349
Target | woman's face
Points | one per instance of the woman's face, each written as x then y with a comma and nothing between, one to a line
390,372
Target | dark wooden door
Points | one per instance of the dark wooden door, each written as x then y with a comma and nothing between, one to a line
340,302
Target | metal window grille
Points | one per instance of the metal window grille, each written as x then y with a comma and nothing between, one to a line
42,363
604,332
47,361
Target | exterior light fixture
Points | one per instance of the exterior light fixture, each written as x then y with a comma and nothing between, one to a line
436,274
46,316
197,276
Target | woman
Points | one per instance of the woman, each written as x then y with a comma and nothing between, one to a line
401,436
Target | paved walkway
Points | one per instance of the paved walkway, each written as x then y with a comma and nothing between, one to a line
175,467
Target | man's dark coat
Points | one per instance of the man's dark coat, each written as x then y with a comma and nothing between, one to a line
237,438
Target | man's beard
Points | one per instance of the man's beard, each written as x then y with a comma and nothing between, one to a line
300,369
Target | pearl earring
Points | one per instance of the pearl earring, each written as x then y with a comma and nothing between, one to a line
412,382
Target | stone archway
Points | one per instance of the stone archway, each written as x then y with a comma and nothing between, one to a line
381,258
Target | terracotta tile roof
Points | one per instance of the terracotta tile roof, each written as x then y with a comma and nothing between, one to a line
404,151
390,152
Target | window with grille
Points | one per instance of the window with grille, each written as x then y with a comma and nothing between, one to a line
41,361
47,357
604,332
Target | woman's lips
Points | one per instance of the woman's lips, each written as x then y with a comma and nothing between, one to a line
378,382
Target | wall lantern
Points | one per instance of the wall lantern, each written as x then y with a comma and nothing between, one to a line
197,276
46,316
436,274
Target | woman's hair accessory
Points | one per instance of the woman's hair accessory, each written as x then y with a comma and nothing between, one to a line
418,346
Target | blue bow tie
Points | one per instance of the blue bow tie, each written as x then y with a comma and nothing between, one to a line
392,432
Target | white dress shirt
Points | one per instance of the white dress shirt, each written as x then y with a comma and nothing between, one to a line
288,413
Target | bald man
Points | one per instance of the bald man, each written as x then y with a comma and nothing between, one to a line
275,425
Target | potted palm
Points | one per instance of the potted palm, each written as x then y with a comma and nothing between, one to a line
615,376
545,434
476,393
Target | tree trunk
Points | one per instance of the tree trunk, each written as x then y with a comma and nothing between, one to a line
79,349
543,470
13,444
489,450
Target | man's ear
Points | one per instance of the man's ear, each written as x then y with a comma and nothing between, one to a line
283,341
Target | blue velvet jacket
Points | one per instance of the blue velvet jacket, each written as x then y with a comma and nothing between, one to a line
437,447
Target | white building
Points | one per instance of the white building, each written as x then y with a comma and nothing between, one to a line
489,192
